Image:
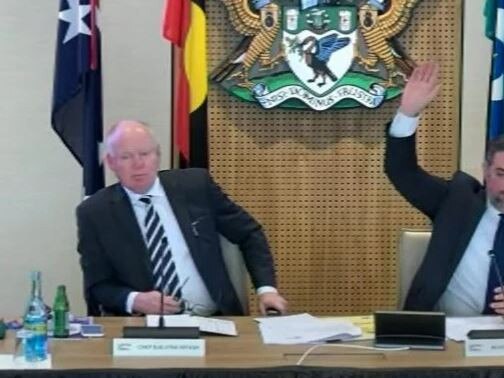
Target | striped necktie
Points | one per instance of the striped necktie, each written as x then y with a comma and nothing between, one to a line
163,266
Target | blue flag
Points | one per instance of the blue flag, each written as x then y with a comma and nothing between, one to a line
305,4
77,94
496,100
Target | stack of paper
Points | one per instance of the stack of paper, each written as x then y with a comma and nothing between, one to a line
304,328
364,322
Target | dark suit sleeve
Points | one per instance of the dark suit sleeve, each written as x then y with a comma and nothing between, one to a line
239,227
423,190
100,288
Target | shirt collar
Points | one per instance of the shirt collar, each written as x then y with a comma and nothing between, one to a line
156,190
494,213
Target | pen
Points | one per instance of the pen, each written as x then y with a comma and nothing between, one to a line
180,300
181,287
194,228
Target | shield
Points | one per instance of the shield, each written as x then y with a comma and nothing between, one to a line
319,44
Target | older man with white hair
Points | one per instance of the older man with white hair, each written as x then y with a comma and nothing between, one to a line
154,237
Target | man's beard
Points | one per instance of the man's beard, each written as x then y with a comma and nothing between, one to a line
497,201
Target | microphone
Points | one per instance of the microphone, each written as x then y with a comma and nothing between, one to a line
493,262
272,312
161,331
161,323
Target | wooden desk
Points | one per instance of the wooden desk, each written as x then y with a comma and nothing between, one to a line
248,352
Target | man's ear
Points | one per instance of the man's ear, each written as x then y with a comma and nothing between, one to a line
486,170
110,161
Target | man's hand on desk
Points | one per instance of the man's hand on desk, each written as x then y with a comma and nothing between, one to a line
498,303
272,301
150,303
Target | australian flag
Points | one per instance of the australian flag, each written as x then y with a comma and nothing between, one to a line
77,94
494,12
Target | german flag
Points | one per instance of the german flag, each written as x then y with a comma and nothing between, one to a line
185,26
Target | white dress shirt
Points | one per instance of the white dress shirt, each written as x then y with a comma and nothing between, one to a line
466,292
194,289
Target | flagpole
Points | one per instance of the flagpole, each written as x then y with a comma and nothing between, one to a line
172,108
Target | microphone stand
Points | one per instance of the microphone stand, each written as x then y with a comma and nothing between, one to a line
161,331
161,310
493,259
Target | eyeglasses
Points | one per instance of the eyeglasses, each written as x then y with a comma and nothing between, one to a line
187,307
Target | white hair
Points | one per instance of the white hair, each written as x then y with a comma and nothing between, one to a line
111,133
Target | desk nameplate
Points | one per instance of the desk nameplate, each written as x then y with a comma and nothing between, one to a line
484,347
158,347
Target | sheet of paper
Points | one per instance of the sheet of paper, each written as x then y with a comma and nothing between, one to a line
210,325
304,328
172,321
7,362
217,326
364,322
458,327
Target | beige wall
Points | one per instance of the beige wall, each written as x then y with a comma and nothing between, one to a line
475,74
41,183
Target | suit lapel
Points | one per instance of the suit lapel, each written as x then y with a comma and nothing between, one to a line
124,216
474,214
179,205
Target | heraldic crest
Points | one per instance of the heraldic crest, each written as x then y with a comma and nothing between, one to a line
317,54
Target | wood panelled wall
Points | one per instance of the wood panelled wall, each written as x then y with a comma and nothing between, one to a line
315,180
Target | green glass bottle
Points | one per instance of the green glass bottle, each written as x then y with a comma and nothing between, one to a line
61,309
2,328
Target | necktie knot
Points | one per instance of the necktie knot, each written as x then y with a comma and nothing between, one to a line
146,199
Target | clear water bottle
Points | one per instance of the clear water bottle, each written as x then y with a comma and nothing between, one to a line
35,321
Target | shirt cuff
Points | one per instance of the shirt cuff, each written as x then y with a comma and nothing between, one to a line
403,126
130,300
266,289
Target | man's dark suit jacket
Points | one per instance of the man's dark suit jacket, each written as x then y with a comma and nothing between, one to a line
455,208
114,258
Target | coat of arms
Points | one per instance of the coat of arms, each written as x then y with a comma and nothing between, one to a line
317,54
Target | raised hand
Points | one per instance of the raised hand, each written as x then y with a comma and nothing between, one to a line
422,86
